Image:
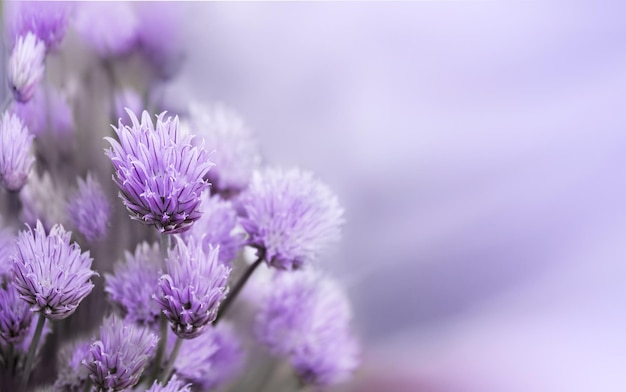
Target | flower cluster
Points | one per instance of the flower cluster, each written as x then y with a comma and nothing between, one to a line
169,308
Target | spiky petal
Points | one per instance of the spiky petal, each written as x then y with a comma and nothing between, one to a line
89,209
217,227
51,274
159,173
236,150
134,283
16,158
15,316
290,216
117,360
192,289
174,385
26,67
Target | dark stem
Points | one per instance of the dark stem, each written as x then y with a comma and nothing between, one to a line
88,385
170,364
161,347
31,351
238,286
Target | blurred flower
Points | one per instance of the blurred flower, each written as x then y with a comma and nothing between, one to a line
48,111
7,244
116,361
89,210
290,216
109,27
15,315
236,151
47,20
127,98
134,283
212,359
306,317
174,385
217,226
51,274
26,67
159,173
16,157
160,37
192,289
72,375
43,200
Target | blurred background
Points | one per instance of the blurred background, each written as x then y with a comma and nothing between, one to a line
479,150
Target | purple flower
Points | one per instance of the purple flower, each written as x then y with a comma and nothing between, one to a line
159,173
116,361
47,112
16,158
290,216
89,209
43,200
26,67
160,37
15,315
211,359
236,151
306,317
135,282
192,289
109,27
51,274
174,385
72,375
217,227
7,244
47,20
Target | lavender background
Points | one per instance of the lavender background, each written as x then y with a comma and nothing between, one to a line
479,150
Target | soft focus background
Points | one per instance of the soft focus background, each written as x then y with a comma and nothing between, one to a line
479,149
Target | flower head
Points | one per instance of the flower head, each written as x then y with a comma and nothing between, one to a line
290,216
159,173
43,200
72,375
89,209
51,274
306,317
47,20
117,360
109,27
236,151
211,359
217,227
134,283
16,157
174,385
15,315
192,289
26,67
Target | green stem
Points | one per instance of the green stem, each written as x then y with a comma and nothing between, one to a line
238,286
33,347
88,385
161,347
170,364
